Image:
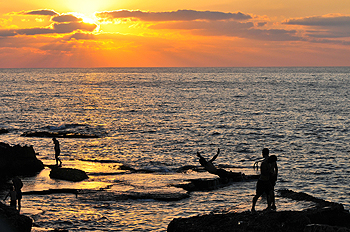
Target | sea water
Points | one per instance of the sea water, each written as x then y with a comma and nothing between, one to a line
156,119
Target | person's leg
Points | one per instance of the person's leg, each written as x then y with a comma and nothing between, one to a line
19,205
56,158
255,198
257,195
273,204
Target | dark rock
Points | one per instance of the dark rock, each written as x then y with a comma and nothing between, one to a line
70,174
207,184
158,194
326,216
324,228
3,131
18,160
52,191
282,221
46,134
12,221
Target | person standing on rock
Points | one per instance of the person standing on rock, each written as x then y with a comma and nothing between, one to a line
272,160
13,197
18,184
57,151
264,184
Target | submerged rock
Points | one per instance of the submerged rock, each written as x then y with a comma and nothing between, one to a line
18,160
11,220
169,194
207,184
326,216
3,131
46,134
70,174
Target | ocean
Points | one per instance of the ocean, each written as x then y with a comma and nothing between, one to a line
156,119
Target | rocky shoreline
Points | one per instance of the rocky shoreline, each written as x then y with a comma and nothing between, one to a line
16,161
323,216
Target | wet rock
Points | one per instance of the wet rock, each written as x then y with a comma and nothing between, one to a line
169,194
18,160
300,196
282,221
46,134
326,216
11,220
52,191
207,184
3,131
70,174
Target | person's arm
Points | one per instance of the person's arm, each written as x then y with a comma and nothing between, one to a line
199,155
276,168
8,194
215,156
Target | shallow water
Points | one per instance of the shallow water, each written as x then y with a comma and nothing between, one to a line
158,118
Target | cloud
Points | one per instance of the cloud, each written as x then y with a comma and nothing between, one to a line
71,27
328,26
41,12
231,29
66,18
321,21
179,15
82,36
58,28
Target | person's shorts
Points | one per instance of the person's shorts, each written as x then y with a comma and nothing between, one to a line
13,203
263,186
19,195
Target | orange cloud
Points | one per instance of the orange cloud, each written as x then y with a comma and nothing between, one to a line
171,38
179,15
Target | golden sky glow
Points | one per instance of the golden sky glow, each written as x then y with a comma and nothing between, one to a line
135,33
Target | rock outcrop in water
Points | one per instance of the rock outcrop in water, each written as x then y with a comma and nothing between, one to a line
325,216
18,160
46,134
3,131
70,174
12,221
207,184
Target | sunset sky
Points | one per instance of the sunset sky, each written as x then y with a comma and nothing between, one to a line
158,33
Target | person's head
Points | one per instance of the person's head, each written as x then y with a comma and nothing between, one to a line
272,159
54,139
265,152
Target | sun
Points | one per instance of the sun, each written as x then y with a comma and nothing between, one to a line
89,19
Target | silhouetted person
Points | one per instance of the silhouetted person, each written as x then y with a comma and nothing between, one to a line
222,173
57,151
13,197
272,160
17,183
264,184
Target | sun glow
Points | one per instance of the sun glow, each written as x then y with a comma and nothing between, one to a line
89,19
87,7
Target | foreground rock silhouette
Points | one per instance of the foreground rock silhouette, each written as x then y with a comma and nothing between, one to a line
12,221
325,216
18,160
